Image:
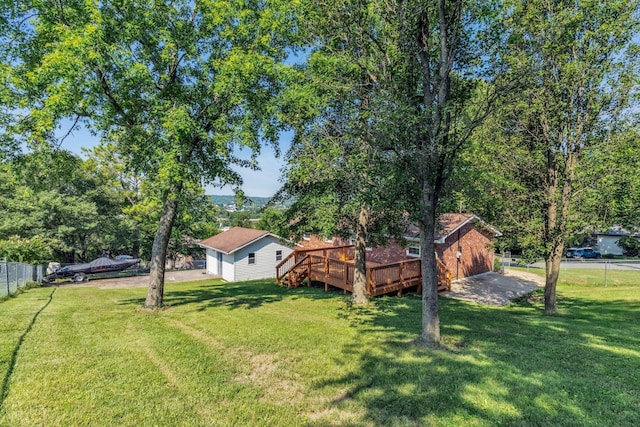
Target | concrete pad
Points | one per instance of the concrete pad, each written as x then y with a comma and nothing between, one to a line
494,288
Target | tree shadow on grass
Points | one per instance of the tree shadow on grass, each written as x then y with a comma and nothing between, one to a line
233,295
511,365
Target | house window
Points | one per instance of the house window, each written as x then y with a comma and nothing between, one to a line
413,251
278,255
252,258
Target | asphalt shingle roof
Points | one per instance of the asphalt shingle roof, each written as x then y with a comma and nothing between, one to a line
233,239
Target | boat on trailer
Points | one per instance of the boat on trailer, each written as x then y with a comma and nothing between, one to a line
79,272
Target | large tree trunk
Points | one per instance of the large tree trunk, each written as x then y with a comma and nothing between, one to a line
430,305
155,294
556,219
552,264
359,295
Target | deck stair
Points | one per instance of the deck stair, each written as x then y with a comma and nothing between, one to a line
293,270
297,274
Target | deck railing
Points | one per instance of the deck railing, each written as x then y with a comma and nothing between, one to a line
285,266
391,277
333,267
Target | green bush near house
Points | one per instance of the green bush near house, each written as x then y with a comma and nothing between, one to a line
497,265
257,354
630,245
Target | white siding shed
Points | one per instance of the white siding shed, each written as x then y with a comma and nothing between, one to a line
244,254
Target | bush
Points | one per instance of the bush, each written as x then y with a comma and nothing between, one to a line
630,245
497,264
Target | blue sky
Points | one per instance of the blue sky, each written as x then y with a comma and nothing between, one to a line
263,183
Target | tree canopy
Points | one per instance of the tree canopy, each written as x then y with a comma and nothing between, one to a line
176,87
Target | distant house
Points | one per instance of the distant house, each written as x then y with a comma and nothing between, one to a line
244,254
606,242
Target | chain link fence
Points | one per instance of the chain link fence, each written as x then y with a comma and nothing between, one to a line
588,271
14,275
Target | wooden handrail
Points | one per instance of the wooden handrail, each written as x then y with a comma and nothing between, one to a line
330,248
395,264
287,264
443,274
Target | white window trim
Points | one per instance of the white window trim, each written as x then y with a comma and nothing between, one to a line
414,255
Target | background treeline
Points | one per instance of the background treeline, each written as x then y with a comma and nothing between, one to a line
57,206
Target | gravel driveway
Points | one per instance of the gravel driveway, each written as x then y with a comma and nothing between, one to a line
494,288
176,276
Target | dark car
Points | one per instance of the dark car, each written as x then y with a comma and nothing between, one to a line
583,253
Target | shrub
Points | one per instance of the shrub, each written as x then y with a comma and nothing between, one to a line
497,264
630,245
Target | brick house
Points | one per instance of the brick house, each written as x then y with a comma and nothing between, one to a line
463,242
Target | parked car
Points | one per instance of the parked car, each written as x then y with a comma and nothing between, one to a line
583,253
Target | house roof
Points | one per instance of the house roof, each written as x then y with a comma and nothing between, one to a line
233,239
614,231
449,223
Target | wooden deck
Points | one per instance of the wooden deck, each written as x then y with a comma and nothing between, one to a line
334,267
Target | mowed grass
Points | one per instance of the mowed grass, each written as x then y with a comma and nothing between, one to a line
254,354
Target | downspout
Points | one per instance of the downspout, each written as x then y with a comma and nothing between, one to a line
458,254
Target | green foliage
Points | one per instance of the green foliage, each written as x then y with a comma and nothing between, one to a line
630,245
50,195
497,265
612,194
33,250
274,221
558,158
240,219
177,88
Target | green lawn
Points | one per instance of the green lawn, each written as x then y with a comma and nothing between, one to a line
255,354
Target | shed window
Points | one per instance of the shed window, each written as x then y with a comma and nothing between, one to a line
252,258
278,255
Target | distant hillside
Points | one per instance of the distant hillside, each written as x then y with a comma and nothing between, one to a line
227,200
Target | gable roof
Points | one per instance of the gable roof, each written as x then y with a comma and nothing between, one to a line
449,223
234,239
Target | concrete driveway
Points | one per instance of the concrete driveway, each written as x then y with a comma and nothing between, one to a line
494,288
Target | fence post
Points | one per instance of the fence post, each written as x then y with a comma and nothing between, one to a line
6,272
606,264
